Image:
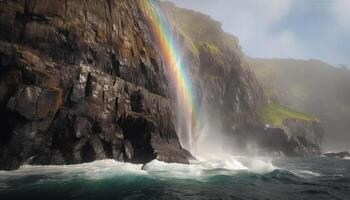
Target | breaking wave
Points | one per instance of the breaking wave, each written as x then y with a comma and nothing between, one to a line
226,177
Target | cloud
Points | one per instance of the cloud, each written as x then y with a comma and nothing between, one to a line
300,29
283,45
341,11
250,20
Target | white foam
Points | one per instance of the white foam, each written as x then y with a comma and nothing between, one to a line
210,166
155,169
94,170
258,165
306,173
162,169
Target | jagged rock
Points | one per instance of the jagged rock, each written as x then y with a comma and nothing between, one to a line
57,158
144,144
69,74
337,155
82,127
36,103
137,104
229,93
77,152
310,131
276,141
128,150
25,101
138,130
80,83
98,152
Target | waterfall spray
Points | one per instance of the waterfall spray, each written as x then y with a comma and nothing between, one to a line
187,105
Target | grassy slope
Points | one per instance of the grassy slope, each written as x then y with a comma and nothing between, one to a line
199,29
310,86
275,114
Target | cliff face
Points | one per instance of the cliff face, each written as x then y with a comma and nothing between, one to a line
80,82
311,86
307,134
231,95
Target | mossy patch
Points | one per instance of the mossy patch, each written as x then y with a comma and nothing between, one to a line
199,28
275,115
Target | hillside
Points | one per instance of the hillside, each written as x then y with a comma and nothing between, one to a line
239,106
99,81
313,87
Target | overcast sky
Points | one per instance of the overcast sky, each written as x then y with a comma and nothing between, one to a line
302,29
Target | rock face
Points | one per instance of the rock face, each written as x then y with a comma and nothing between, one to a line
80,82
229,94
337,155
296,138
310,86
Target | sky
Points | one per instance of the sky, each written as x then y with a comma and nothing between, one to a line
301,29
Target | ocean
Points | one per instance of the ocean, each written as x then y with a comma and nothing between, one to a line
228,177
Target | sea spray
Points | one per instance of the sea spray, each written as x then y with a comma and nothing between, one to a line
188,117
217,178
197,132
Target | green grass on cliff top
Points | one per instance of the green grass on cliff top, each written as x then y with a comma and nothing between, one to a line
199,29
275,114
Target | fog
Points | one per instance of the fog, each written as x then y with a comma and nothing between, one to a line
298,29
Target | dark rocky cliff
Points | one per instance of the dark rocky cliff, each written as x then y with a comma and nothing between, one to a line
230,93
80,82
226,87
311,86
84,81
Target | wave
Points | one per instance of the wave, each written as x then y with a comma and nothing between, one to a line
94,170
200,170
306,173
108,168
221,177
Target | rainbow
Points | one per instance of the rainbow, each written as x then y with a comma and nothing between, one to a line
178,72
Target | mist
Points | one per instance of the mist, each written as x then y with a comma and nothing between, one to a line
303,30
284,28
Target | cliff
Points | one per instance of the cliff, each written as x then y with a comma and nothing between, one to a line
82,82
231,94
311,86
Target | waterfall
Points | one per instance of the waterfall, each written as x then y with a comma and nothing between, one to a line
188,118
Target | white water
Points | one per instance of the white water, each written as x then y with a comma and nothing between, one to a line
305,173
110,168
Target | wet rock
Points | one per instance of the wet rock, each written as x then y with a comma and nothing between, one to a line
77,152
337,154
97,148
311,131
82,127
25,101
57,158
69,74
276,141
138,130
137,104
128,150
36,103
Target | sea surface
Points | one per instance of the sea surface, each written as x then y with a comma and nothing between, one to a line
215,178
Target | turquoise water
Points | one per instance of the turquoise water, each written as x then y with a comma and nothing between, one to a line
224,178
